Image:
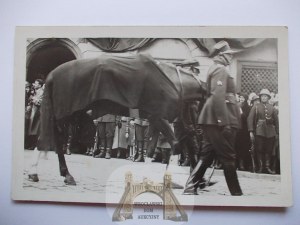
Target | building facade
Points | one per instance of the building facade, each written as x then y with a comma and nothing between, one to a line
253,68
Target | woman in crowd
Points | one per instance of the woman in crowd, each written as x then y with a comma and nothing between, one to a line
243,140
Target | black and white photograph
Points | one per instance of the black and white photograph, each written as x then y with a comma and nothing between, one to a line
199,113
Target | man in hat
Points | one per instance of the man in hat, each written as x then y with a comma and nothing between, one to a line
220,119
264,129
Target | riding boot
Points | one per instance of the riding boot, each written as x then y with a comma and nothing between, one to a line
268,164
145,153
232,180
274,166
241,165
140,157
129,153
119,153
260,163
126,154
194,154
101,154
186,158
195,178
165,156
107,155
91,151
136,154
157,156
87,151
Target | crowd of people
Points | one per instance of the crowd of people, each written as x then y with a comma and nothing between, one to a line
132,137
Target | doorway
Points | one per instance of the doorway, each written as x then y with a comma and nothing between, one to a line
44,55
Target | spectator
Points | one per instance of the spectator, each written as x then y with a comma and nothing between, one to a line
263,128
35,102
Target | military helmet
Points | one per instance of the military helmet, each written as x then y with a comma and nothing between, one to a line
265,92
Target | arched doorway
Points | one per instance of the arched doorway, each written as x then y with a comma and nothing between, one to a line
44,55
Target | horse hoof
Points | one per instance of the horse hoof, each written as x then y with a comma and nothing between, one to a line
69,180
33,178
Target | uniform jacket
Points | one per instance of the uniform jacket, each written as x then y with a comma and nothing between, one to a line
257,120
221,106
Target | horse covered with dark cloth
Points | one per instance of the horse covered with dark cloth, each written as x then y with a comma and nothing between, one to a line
112,84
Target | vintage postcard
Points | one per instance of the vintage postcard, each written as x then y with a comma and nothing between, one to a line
164,116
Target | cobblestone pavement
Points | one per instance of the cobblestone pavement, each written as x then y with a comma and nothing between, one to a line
103,176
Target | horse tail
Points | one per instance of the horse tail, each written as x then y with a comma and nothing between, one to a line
48,125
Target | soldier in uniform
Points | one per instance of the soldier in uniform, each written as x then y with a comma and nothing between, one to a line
264,129
106,129
220,119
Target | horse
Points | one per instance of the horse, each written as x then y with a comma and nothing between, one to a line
112,84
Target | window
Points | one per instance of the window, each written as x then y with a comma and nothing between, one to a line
254,76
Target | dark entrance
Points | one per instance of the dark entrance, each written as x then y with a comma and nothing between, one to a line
46,58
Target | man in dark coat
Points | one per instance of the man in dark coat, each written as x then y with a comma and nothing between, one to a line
220,118
264,129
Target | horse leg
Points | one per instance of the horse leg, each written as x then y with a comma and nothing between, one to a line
69,179
164,127
32,173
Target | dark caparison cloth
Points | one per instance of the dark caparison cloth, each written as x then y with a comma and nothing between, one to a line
107,84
